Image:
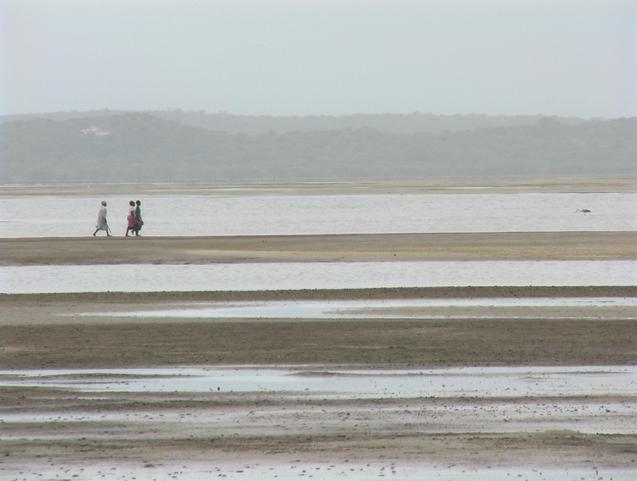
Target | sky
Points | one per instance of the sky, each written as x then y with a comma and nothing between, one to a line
312,57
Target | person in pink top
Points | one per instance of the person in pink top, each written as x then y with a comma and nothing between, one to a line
132,221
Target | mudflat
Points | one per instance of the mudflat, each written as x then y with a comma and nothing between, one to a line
70,341
137,434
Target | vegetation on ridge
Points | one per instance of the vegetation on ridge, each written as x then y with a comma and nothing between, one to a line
161,146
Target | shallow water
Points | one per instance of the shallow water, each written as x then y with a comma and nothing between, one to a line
312,275
351,471
523,407
196,215
484,382
382,309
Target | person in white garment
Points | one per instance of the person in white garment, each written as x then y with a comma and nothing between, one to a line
102,223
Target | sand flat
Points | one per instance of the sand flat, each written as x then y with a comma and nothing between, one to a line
321,248
463,185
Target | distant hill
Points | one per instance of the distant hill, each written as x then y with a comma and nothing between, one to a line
108,146
263,124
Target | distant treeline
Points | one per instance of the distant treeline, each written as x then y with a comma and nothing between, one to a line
108,146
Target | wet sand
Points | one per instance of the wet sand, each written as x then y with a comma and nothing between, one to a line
179,433
121,342
77,427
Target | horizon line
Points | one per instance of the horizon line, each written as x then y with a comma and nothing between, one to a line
278,115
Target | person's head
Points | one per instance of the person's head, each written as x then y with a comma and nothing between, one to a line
139,202
104,203
131,203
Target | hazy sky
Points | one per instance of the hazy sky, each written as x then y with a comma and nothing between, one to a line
564,57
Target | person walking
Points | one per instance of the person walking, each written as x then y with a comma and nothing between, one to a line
132,223
102,223
139,222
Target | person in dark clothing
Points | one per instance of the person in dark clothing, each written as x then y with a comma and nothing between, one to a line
139,222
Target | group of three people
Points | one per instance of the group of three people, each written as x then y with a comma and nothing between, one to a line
134,219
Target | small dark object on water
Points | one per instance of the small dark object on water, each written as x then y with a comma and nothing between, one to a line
584,211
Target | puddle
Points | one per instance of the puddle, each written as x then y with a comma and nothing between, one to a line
312,275
319,383
381,309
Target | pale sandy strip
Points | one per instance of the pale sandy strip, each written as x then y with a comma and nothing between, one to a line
321,248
